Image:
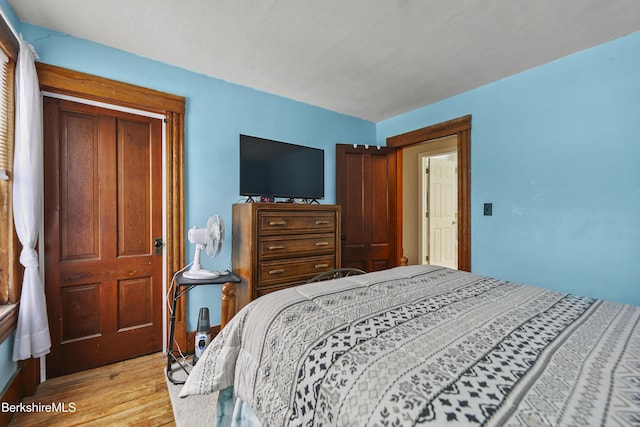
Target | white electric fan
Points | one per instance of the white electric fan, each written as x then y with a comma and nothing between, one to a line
210,239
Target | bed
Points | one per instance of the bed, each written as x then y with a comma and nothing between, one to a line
424,345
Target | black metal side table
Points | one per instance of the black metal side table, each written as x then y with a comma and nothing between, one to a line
182,287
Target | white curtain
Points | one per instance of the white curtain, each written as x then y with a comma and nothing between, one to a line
32,333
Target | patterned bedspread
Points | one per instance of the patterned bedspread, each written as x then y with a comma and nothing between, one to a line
425,345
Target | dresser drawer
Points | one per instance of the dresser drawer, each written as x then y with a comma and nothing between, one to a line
275,222
277,247
282,245
274,272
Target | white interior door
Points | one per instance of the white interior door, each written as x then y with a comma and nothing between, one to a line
443,221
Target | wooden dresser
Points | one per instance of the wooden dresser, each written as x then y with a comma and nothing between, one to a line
279,245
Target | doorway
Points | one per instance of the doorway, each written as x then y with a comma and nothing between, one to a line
430,234
460,128
438,210
102,212
66,82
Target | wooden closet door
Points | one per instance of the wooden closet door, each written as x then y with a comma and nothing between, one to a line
103,210
366,190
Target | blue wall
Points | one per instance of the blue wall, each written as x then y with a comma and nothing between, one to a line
7,366
556,149
217,112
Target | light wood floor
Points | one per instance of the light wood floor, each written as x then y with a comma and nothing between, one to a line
133,392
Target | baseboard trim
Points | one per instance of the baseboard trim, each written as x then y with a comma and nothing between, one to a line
12,395
23,383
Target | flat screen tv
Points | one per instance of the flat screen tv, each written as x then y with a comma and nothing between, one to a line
278,169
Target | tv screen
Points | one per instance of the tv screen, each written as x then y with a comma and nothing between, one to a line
279,169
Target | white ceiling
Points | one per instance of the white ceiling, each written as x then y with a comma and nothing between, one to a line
372,59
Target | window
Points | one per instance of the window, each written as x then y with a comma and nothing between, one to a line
9,271
4,114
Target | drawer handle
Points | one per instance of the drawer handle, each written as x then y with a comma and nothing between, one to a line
322,243
278,271
274,248
322,222
277,223
321,266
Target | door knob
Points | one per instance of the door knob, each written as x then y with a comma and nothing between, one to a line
158,244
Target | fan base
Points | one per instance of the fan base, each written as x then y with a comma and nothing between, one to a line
201,274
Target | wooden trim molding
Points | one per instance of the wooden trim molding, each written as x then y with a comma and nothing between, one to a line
8,321
8,40
461,127
439,130
73,83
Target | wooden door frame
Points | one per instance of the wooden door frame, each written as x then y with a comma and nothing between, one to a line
461,128
73,83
